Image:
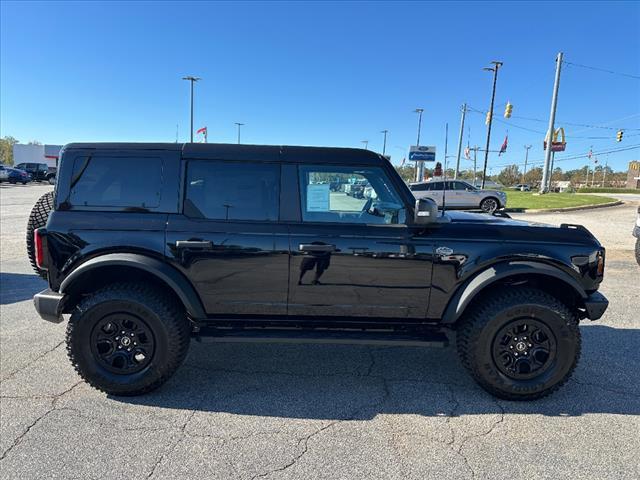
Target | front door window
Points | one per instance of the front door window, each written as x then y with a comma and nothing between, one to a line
349,195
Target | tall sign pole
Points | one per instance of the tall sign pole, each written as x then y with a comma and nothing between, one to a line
384,145
495,69
526,159
464,112
419,164
192,80
552,119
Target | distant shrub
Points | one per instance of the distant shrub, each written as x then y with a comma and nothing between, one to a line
608,190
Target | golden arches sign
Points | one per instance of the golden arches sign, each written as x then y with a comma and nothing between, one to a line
557,146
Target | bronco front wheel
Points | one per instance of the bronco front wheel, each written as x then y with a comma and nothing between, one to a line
519,344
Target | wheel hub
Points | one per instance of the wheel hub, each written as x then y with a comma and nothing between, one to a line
122,343
524,348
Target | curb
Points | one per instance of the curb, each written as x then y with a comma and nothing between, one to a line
564,209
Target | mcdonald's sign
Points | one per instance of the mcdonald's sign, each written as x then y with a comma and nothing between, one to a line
557,146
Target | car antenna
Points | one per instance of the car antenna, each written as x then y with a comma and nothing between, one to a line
444,170
444,188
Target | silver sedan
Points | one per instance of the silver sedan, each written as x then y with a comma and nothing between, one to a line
460,195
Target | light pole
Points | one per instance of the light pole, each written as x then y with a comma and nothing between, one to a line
239,125
384,144
494,69
192,80
552,119
366,144
419,165
526,158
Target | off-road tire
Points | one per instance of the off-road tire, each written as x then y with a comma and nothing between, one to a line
489,205
38,219
486,317
638,250
164,316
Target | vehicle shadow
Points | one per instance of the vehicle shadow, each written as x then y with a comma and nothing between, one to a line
17,287
357,382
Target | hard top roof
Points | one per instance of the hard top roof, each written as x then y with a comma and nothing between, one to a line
230,151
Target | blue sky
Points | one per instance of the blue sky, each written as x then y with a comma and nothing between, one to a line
320,73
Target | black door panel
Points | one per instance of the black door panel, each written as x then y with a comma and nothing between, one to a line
236,268
359,271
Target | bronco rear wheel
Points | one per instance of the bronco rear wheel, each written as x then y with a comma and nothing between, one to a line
127,338
519,344
38,219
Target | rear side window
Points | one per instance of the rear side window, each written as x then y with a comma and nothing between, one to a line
102,181
220,190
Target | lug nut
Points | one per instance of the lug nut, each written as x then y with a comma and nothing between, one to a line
132,334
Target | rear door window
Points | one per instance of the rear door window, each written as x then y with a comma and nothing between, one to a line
219,190
105,181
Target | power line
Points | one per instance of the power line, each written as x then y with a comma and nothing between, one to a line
577,156
601,70
544,133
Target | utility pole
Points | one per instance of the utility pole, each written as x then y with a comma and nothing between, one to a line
553,158
366,144
604,171
494,69
552,119
384,144
475,164
526,159
446,144
239,125
464,112
192,80
419,164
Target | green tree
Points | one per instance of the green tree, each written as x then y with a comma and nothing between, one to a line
509,175
407,172
6,149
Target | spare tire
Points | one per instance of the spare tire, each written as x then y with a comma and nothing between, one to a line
37,219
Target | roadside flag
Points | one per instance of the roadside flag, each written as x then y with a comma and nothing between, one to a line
203,131
467,153
503,148
590,154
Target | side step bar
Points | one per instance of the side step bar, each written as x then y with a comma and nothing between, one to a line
338,337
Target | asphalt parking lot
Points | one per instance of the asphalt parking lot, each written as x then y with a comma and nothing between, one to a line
288,411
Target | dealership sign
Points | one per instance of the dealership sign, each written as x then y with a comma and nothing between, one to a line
418,153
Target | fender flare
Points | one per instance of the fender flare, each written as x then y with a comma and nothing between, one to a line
164,272
468,290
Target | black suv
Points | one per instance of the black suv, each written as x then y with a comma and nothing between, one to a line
148,245
40,172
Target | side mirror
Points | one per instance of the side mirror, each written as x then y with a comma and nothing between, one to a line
426,211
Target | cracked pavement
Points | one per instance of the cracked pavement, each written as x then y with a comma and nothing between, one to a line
311,411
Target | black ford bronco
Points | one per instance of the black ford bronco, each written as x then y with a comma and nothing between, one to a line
149,245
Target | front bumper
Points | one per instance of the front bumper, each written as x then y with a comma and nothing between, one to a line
49,305
595,305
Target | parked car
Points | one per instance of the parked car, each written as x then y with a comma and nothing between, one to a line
523,187
4,173
40,172
149,245
460,195
636,233
14,175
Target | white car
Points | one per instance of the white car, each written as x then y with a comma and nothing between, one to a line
460,195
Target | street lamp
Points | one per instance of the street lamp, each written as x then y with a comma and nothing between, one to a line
494,69
366,144
239,125
384,144
192,80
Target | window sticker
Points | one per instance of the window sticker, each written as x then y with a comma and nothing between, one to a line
318,197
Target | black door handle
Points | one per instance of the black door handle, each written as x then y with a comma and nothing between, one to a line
310,247
197,244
